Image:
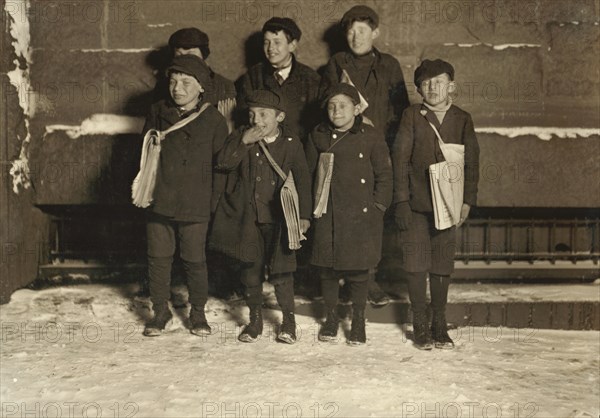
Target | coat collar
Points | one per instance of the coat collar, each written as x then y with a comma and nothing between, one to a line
169,112
269,70
430,115
325,127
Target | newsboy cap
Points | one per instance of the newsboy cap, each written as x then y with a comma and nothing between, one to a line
275,24
341,88
360,13
191,65
430,69
190,38
267,99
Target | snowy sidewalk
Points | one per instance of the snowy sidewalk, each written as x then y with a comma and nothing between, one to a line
78,351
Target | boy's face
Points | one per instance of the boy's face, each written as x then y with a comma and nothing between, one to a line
266,119
188,51
360,37
277,48
184,89
342,111
435,90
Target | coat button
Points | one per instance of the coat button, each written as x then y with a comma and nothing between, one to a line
258,154
360,155
363,181
258,178
334,136
272,182
289,139
365,210
260,162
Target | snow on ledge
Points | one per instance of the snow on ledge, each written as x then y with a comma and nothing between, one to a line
101,124
545,133
124,50
158,25
499,47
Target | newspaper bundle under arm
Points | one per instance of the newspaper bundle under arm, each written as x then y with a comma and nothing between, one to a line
142,189
447,184
289,202
323,183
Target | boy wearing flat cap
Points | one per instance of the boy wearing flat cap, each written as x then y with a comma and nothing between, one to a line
220,91
348,235
424,249
378,78
249,223
181,205
281,73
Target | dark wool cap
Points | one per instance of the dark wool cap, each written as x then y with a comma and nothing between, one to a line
430,69
266,98
275,24
342,88
359,13
190,38
191,65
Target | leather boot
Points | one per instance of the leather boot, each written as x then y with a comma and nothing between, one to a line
198,323
421,334
162,317
329,329
439,331
254,329
287,332
358,335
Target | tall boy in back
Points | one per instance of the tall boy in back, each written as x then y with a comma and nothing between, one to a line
424,249
378,78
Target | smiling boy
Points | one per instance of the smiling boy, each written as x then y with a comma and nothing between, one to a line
181,206
249,222
281,73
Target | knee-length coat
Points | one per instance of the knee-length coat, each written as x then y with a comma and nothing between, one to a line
349,235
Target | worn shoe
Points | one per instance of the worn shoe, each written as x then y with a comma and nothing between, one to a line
439,332
287,332
155,327
198,323
377,297
358,334
254,329
329,329
421,334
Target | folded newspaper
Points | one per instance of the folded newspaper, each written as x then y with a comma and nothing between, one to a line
323,183
291,212
447,186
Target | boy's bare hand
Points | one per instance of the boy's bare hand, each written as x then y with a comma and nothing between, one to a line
464,214
253,135
304,225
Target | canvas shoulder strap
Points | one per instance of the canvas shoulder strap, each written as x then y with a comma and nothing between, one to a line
183,122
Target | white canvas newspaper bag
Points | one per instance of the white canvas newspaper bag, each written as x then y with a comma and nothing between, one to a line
447,182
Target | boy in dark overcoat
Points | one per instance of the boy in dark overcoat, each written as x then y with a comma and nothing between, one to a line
283,74
379,79
424,249
181,206
347,238
249,224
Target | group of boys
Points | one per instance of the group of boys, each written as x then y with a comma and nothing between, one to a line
220,188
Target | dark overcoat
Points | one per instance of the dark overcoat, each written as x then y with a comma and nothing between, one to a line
349,235
234,231
184,180
300,92
384,88
416,147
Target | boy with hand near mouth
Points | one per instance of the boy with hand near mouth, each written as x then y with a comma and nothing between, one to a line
249,223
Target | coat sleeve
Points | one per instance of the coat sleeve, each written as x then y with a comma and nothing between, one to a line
401,157
312,155
471,163
398,98
219,178
328,78
232,153
383,173
303,181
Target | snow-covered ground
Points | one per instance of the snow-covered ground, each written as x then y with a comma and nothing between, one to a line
78,351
